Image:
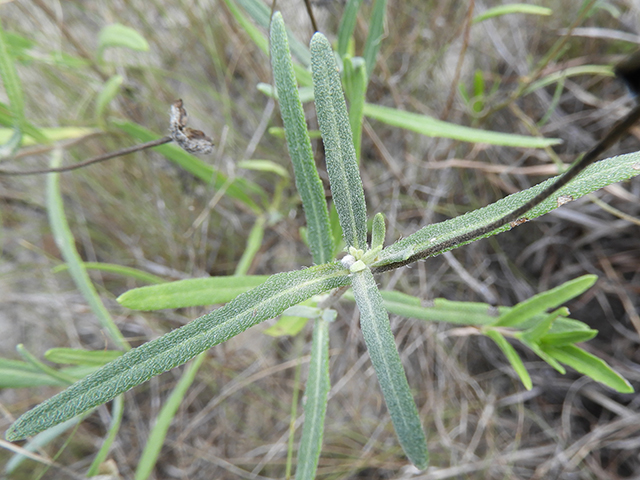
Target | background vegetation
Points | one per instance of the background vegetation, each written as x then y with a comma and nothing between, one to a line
145,212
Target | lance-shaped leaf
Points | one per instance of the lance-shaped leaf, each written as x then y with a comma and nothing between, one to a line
601,174
177,347
376,31
545,300
342,167
316,393
304,167
374,321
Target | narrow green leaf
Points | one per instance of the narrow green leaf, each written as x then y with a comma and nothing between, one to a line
66,243
378,231
545,300
355,80
512,356
18,374
35,136
601,174
600,70
254,241
159,431
239,189
117,412
543,355
179,346
378,337
315,408
558,337
108,92
76,356
590,366
189,293
512,8
376,30
347,25
286,326
117,269
432,127
37,443
342,167
306,175
264,166
44,368
541,328
118,35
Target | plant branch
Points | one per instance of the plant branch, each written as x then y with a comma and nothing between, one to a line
91,161
516,215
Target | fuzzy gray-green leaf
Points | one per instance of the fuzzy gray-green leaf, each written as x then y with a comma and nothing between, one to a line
178,346
315,408
342,167
601,174
307,179
378,337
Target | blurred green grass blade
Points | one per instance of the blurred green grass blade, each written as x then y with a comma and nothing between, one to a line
342,167
264,166
158,433
66,243
315,407
306,175
432,127
239,189
347,25
545,300
118,35
117,269
374,38
35,136
28,129
107,93
38,442
600,70
254,241
44,368
192,292
598,175
512,356
408,306
77,356
590,366
261,14
19,374
512,8
266,301
355,80
11,82
302,74
117,412
376,330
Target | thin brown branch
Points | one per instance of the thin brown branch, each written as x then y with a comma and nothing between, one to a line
91,161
